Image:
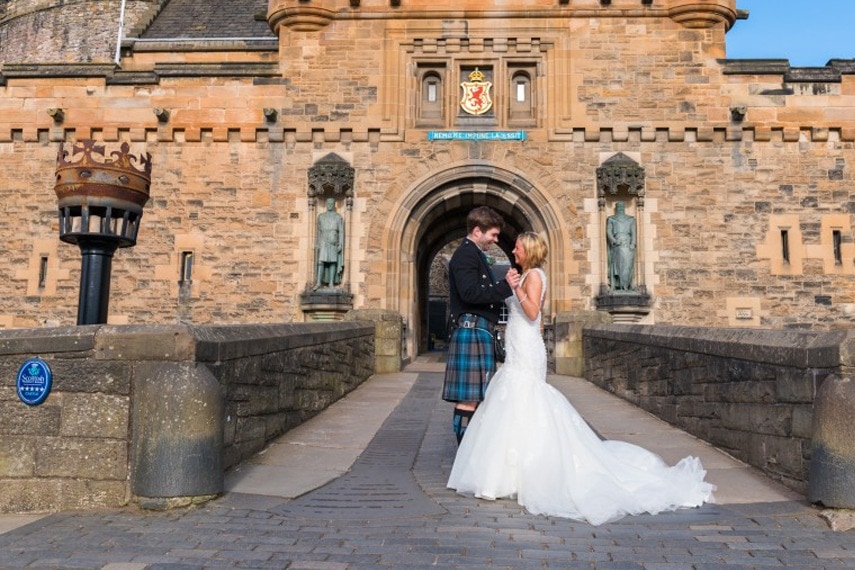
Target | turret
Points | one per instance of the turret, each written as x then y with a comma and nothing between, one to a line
58,31
703,13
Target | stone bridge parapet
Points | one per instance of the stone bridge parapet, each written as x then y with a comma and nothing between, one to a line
749,392
156,413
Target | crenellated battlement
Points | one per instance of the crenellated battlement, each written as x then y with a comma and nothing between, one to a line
292,137
765,100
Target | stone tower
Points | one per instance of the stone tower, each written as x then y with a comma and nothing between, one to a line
59,31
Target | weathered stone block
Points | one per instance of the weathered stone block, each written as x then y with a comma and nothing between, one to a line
780,456
144,342
31,495
249,429
796,386
88,375
312,401
91,494
249,371
85,458
389,330
741,392
55,340
275,425
178,415
832,462
17,457
95,415
759,419
264,400
20,419
386,347
847,347
803,421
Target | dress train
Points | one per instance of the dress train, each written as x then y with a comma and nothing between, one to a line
527,442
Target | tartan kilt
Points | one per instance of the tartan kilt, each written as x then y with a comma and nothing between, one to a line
471,362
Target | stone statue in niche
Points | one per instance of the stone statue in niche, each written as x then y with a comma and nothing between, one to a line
329,247
621,241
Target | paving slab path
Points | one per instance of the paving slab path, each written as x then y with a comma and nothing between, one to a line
362,485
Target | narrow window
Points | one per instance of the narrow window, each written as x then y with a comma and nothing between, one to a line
521,109
430,98
785,245
836,240
186,267
431,91
43,271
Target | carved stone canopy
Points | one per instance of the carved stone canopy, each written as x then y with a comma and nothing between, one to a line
618,173
331,174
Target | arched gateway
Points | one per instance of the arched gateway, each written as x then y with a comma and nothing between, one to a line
433,212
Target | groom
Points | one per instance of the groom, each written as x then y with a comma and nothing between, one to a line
475,298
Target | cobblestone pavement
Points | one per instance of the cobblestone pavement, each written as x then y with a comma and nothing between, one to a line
392,510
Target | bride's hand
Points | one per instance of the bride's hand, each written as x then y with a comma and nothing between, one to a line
513,278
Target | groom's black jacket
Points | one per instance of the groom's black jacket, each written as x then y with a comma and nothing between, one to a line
471,287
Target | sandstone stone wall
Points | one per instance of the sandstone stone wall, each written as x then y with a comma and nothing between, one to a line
230,182
749,393
90,444
712,227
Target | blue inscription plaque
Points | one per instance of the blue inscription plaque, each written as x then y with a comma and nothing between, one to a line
34,381
476,135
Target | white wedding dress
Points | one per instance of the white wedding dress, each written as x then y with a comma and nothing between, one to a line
527,442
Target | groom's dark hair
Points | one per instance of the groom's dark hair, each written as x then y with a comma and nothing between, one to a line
483,217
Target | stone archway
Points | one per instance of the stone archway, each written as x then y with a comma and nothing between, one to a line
432,212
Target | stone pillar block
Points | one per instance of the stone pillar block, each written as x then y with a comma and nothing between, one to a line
831,479
388,337
177,440
569,359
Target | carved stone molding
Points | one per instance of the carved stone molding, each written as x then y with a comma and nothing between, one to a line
618,173
331,174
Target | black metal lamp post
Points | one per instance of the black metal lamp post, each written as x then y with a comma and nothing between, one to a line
100,206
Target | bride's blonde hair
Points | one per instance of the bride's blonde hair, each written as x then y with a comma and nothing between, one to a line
535,248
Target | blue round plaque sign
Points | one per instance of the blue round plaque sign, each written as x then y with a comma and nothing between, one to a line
34,381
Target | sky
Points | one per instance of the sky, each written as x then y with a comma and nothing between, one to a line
807,32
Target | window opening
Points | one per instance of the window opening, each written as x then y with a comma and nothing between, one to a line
837,240
43,267
521,91
186,267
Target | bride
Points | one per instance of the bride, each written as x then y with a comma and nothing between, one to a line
527,442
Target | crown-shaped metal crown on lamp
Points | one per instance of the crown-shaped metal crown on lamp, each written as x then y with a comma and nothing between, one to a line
476,75
101,198
79,172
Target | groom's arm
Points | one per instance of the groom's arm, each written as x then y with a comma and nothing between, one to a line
473,280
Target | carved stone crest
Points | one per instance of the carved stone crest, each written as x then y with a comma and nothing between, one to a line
476,94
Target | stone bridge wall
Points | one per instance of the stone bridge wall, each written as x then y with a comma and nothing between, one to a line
161,411
749,392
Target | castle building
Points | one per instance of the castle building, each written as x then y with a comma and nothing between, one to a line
735,176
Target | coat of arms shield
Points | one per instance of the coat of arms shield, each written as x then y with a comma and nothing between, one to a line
476,94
